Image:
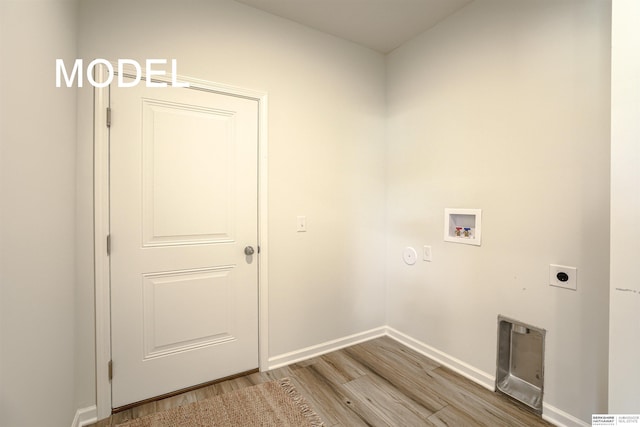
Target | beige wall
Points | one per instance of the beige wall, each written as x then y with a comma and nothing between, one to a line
624,339
37,194
505,107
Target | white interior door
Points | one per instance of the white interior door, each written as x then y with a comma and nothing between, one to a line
183,190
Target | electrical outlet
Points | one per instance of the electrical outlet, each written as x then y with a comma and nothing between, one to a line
563,277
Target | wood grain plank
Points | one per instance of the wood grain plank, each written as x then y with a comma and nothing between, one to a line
390,405
394,352
175,401
409,375
344,367
143,410
121,417
335,405
450,416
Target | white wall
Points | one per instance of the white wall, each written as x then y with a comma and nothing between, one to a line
326,152
505,107
37,190
624,333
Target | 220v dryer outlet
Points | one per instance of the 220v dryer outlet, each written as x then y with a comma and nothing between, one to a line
563,276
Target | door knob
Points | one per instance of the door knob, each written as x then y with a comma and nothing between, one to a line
249,250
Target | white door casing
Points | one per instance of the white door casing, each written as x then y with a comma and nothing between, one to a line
170,239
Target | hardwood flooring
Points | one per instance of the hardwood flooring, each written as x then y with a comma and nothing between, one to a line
376,383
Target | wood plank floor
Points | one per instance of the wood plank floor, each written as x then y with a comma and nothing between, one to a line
376,383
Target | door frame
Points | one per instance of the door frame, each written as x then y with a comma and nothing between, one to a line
101,206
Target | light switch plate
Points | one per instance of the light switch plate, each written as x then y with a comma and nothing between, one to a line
301,225
571,272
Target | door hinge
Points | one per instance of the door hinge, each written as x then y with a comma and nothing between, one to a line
108,117
108,244
110,368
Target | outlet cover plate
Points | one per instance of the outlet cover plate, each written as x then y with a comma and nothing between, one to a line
572,272
301,224
426,253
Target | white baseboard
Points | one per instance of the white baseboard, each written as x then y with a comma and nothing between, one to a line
462,368
326,347
560,418
85,416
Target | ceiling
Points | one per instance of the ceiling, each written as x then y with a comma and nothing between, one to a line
381,25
